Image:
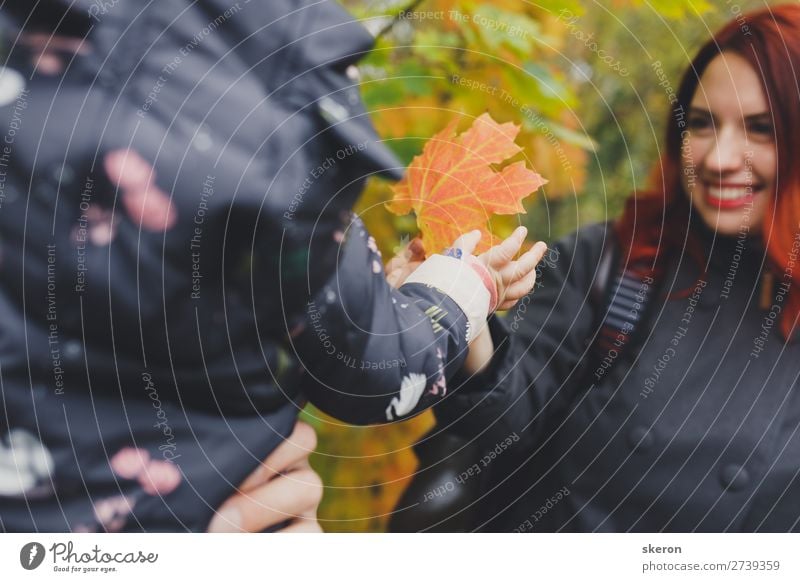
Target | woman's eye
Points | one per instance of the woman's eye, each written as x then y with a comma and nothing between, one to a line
697,123
761,129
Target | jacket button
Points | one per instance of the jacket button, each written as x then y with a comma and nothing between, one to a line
734,477
39,390
45,192
353,73
332,111
353,98
202,141
72,350
640,439
11,85
63,175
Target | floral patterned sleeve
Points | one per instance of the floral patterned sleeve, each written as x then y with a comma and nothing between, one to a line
372,353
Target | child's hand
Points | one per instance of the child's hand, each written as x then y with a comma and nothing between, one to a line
514,279
404,263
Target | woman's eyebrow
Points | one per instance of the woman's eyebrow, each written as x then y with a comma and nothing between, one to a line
759,116
753,116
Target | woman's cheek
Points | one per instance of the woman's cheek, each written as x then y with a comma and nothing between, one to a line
693,150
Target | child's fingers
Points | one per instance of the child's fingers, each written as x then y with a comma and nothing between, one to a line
521,288
531,258
394,264
527,262
285,497
300,444
399,275
497,256
522,276
404,263
539,249
468,242
393,278
416,249
515,270
305,523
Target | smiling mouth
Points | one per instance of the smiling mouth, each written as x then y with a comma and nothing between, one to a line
728,196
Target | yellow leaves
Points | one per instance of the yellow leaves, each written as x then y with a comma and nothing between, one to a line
677,9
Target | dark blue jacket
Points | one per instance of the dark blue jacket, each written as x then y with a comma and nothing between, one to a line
179,265
695,427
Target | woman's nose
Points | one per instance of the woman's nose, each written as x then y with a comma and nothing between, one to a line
728,153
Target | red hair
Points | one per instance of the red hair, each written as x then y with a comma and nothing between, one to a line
656,224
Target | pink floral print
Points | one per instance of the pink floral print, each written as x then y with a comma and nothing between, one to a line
156,477
147,204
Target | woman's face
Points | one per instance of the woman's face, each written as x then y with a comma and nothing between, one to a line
728,156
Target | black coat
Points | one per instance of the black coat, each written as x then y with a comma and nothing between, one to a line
179,265
694,428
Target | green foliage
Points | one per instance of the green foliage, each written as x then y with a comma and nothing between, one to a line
627,115
578,76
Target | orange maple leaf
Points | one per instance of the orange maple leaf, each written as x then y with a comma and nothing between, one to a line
453,189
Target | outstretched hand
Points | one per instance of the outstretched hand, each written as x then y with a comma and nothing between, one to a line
405,263
281,494
514,279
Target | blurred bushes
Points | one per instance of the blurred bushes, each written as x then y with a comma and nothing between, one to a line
580,79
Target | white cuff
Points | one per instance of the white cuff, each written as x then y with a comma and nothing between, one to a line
458,280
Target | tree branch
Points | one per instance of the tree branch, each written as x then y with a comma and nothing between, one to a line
397,17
